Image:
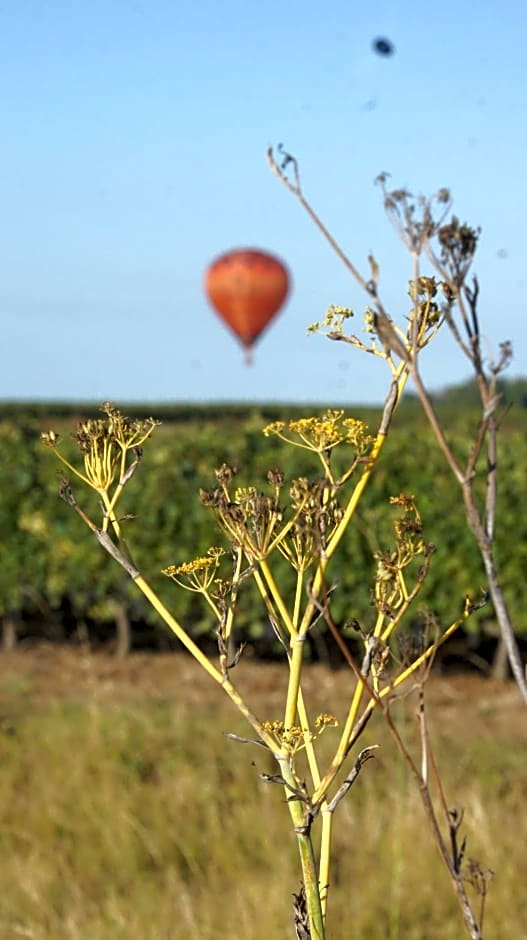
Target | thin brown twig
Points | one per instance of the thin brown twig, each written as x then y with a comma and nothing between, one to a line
417,236
295,187
469,919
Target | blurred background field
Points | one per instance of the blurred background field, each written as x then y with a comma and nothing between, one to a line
126,813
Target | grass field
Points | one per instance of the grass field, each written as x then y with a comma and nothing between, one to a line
125,813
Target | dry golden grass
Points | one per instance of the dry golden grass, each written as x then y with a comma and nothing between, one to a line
125,813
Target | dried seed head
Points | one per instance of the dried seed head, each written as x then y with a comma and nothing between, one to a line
276,478
225,474
50,439
458,243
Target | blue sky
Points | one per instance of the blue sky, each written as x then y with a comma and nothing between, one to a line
132,152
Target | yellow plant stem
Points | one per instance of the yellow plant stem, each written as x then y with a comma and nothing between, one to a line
348,733
400,379
377,698
229,620
298,595
424,656
306,852
294,693
296,806
342,749
361,686
200,657
210,602
356,495
277,597
327,818
318,585
291,626
73,469
378,624
296,660
295,699
325,857
308,740
333,542
111,504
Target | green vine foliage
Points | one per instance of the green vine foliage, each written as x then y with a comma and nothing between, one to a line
46,567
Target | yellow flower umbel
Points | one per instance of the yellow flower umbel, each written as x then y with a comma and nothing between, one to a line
322,435
196,575
199,575
111,448
295,737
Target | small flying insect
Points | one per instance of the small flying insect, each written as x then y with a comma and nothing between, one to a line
383,46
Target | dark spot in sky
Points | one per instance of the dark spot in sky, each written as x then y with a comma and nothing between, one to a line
383,46
502,253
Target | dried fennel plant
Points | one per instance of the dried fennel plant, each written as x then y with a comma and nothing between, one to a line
298,525
452,301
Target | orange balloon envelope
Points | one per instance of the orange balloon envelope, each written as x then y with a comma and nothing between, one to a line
247,288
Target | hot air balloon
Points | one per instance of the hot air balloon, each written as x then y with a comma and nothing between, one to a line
247,287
